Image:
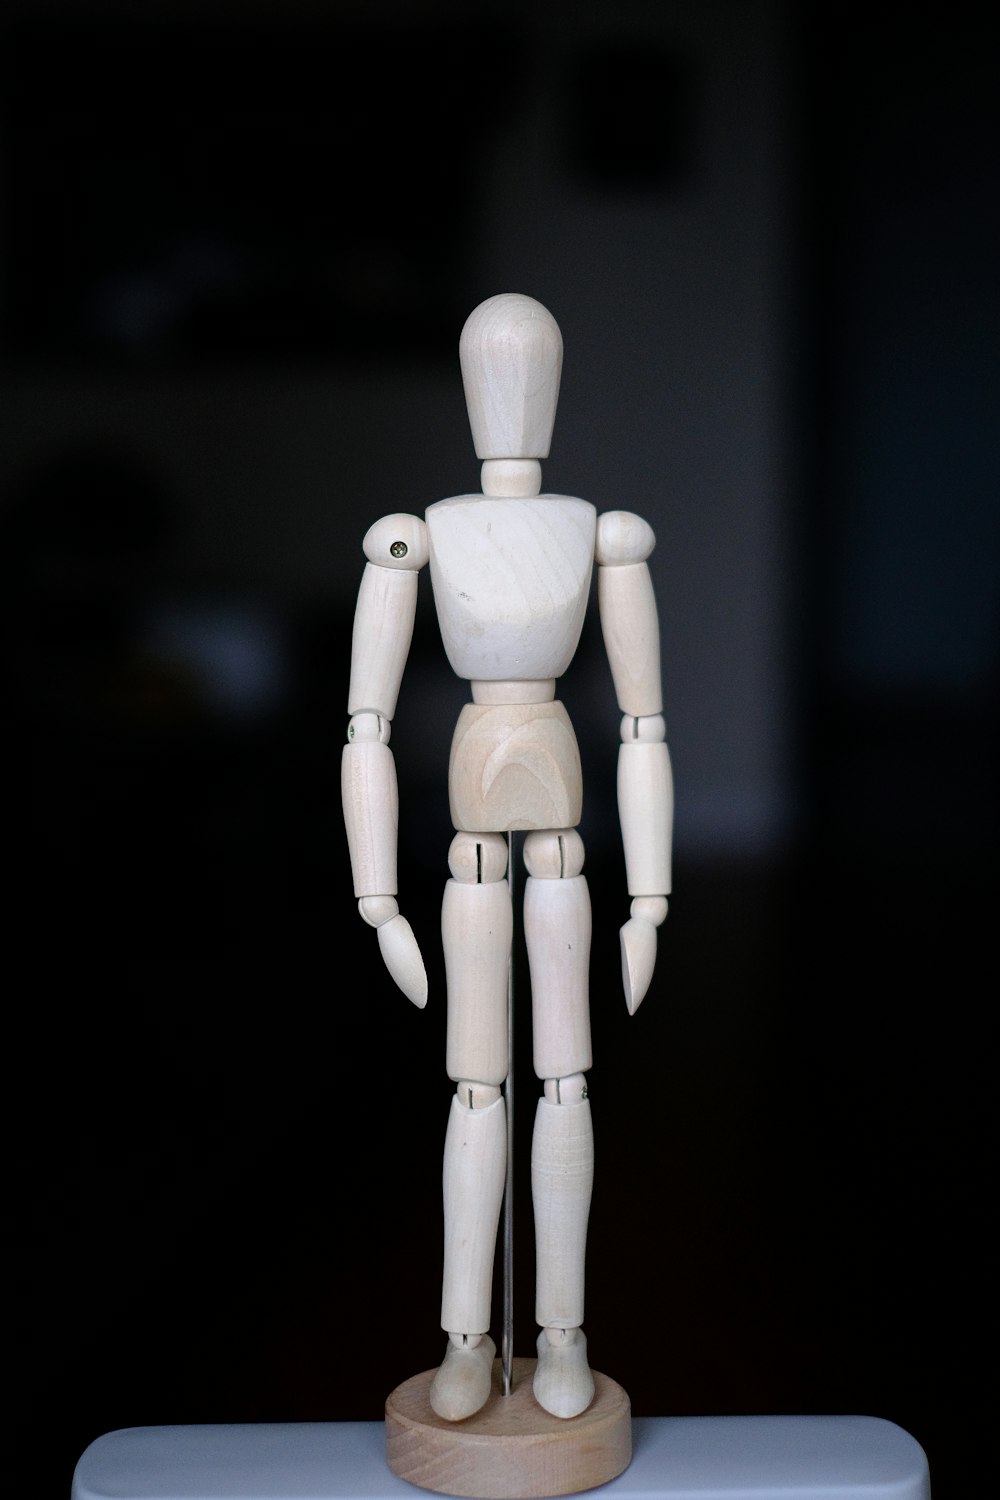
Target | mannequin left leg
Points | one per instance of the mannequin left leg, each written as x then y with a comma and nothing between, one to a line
476,927
557,928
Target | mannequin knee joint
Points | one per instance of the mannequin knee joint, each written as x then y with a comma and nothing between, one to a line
553,854
478,858
571,1090
476,1095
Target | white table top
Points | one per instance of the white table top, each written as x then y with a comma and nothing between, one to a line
674,1458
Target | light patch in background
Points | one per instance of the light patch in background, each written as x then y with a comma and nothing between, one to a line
237,654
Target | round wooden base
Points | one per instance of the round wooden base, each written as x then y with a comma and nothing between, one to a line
511,1449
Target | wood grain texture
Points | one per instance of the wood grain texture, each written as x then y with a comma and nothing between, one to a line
506,690
475,1156
511,1449
401,956
557,930
631,629
623,537
511,581
476,928
383,630
562,1180
511,357
646,808
514,767
370,800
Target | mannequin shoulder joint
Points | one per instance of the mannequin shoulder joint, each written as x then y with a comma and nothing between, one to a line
397,541
623,538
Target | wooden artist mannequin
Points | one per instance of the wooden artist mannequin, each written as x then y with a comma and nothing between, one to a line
511,570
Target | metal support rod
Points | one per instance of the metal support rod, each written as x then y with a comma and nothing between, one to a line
507,1340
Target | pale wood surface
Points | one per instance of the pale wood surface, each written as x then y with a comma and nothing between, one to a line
397,541
462,1384
511,476
562,1179
511,580
511,1449
475,1156
553,853
371,815
476,929
401,956
557,931
631,629
478,858
638,948
383,629
511,356
646,809
506,690
514,767
623,537
564,1381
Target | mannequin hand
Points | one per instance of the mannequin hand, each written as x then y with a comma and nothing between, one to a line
638,939
398,946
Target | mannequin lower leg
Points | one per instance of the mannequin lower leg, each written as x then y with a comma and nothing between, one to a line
474,1162
562,1174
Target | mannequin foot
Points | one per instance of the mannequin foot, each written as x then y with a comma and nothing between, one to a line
563,1384
462,1383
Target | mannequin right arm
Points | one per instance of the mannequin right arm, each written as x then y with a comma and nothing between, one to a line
396,548
645,783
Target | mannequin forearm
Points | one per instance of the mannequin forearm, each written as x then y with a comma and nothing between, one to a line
371,810
646,805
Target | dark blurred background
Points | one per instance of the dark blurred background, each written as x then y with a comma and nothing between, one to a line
239,243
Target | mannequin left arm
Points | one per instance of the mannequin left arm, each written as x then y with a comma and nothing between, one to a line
396,549
630,625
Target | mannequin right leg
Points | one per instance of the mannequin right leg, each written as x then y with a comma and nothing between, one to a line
557,926
476,928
